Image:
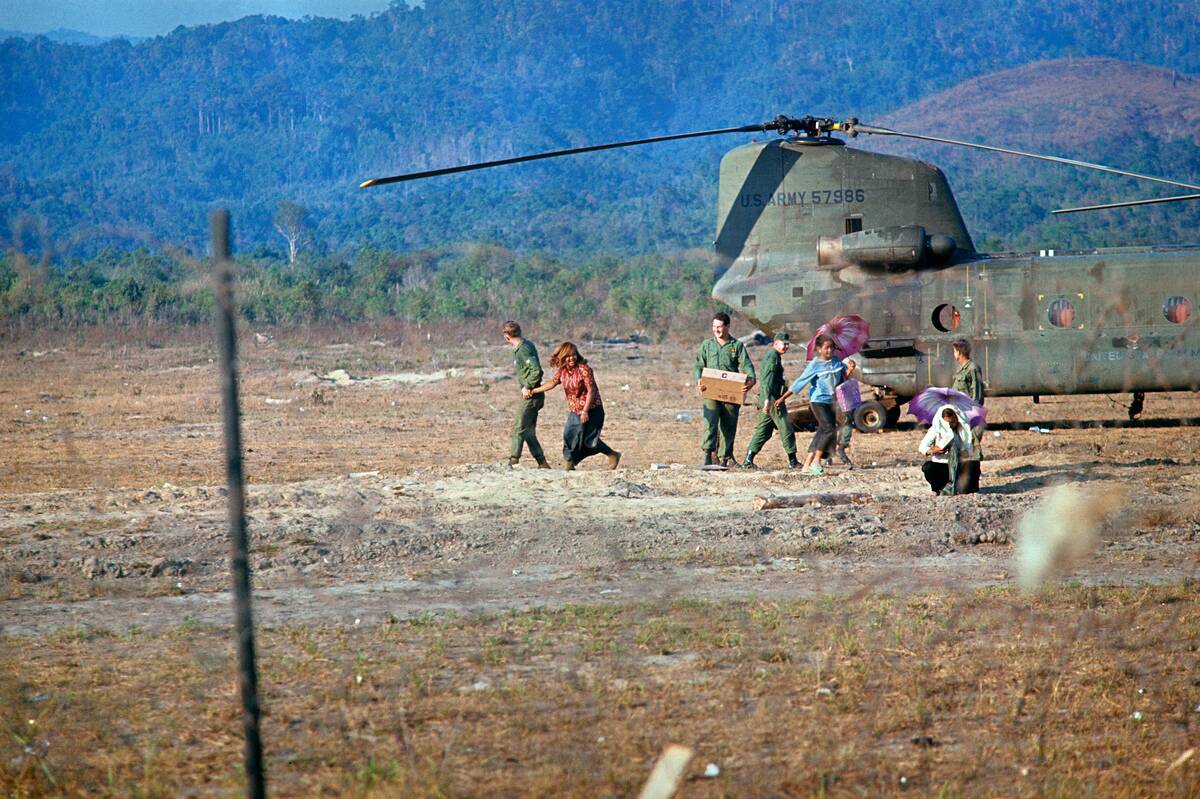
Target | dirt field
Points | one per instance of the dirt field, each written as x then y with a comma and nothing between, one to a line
437,624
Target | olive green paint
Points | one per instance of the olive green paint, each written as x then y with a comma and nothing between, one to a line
875,246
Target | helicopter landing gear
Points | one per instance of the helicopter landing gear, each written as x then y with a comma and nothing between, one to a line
1135,407
879,410
870,417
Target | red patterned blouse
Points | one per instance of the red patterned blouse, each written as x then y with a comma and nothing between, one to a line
575,383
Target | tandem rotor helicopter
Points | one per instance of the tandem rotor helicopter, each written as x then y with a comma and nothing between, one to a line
809,229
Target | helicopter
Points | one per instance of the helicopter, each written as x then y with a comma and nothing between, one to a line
809,228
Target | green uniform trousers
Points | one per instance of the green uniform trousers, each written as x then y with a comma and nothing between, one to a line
845,432
525,430
767,424
720,417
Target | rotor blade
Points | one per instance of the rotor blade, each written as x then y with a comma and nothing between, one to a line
1007,151
556,153
1127,204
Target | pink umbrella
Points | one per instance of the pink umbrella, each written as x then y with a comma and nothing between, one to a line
849,333
925,405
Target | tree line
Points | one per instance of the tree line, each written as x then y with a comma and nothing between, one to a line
445,284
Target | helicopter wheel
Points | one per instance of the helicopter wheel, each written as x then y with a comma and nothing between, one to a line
870,417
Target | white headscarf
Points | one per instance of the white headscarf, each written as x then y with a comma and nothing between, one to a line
940,435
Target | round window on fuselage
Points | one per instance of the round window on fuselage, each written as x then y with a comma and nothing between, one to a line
1177,309
1062,313
946,317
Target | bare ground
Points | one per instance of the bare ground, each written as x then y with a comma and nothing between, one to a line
381,502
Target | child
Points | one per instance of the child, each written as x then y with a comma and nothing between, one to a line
821,377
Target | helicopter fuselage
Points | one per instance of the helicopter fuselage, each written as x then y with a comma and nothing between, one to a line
888,244
1077,323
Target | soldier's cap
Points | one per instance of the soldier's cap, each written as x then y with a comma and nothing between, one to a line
783,336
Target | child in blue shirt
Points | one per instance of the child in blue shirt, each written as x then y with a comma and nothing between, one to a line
821,376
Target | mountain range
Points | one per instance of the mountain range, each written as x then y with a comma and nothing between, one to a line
66,36
130,144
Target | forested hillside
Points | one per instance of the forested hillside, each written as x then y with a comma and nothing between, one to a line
131,144
1136,117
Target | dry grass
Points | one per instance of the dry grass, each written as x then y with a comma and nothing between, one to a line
1003,695
1075,692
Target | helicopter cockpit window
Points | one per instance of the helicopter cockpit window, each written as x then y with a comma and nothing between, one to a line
1062,313
853,224
749,300
946,317
1177,309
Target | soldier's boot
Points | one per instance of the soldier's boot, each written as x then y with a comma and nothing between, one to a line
542,464
613,459
569,466
749,462
844,458
792,462
513,462
709,458
729,463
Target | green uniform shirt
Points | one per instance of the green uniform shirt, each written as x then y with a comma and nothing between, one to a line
969,380
772,384
529,368
730,357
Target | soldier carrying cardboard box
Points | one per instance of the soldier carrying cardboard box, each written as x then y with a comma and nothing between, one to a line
724,353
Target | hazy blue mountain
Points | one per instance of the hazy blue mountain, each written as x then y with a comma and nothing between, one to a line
130,144
66,36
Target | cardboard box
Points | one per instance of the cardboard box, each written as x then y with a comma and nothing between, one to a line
722,386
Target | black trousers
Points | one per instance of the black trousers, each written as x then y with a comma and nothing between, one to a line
823,439
938,475
582,440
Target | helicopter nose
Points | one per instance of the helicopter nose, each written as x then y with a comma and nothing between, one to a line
727,287
719,271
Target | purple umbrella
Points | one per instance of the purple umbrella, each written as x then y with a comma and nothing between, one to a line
926,404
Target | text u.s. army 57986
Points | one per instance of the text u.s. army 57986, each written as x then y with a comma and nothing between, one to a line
815,197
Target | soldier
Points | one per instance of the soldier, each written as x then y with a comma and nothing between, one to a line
969,378
772,414
727,354
529,375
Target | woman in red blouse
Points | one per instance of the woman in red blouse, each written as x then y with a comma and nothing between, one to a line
585,411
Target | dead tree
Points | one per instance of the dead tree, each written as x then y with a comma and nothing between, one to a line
291,220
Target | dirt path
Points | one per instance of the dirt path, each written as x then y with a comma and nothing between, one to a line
111,514
375,603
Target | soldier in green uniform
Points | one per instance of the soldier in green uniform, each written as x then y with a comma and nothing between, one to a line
969,378
772,412
529,375
727,354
